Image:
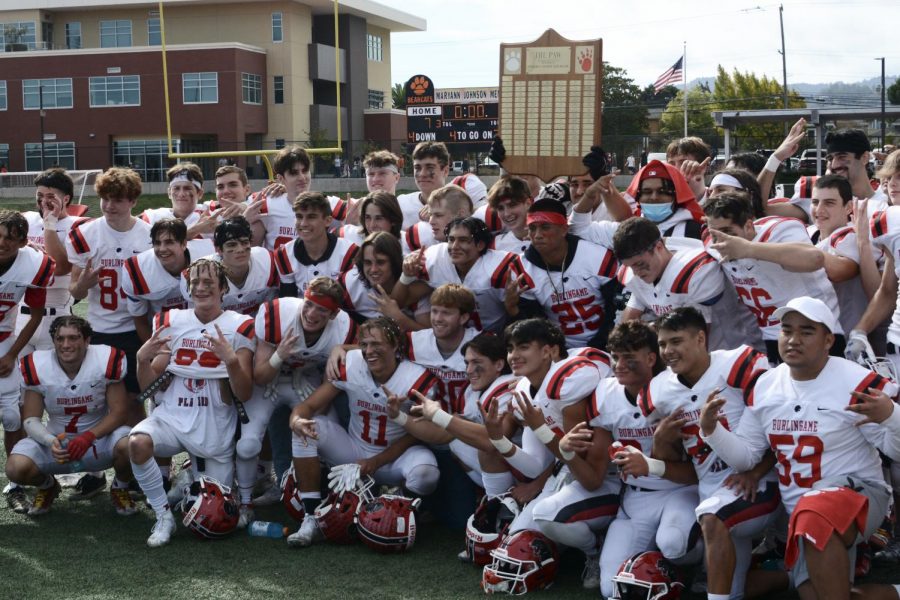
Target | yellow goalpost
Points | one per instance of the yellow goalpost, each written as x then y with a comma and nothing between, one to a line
263,153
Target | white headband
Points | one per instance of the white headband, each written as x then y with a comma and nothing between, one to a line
725,179
182,178
391,168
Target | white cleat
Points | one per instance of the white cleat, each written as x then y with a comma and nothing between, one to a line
270,497
246,516
308,533
162,530
180,483
590,577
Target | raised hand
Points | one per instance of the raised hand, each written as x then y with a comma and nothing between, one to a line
579,439
384,303
156,344
414,263
875,406
531,414
791,143
220,345
709,414
285,347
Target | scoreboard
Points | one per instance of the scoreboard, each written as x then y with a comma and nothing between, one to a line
464,126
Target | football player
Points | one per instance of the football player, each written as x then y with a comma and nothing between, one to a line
380,212
53,195
510,198
26,275
295,337
665,198
271,212
208,353
380,446
444,204
848,152
570,279
315,251
431,165
80,388
665,274
655,512
728,520
769,261
464,259
826,419
382,171
186,194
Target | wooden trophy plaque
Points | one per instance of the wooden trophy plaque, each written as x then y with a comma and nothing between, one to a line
550,101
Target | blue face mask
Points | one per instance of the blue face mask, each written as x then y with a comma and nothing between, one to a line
657,212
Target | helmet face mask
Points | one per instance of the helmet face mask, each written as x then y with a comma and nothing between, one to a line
487,527
336,516
524,562
290,496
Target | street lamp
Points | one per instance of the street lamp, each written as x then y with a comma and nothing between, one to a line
883,116
43,114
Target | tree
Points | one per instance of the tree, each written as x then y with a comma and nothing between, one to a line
700,119
398,95
746,91
624,117
652,99
893,92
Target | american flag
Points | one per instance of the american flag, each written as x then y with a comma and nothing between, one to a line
672,75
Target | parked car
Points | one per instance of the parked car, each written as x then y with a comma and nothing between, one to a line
808,159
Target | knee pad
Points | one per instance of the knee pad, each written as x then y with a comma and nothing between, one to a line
423,479
11,418
248,448
671,542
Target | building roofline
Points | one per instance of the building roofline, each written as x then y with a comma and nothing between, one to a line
373,12
132,50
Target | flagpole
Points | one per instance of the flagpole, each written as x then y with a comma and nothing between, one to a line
684,74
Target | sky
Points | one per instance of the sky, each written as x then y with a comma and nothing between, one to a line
826,40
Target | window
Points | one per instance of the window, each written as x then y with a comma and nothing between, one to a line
57,93
279,143
116,90
278,89
373,47
18,36
277,29
73,35
2,95
251,86
148,157
154,32
4,155
200,88
376,99
56,154
115,34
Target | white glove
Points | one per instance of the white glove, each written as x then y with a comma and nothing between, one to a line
343,478
858,347
302,387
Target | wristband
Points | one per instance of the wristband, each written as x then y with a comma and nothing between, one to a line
773,163
544,433
502,445
655,466
442,418
566,455
275,361
400,419
406,279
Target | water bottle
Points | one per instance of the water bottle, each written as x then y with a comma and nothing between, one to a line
267,529
73,466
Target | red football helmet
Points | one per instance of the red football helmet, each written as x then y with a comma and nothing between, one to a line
488,525
387,524
290,496
525,561
647,576
336,516
214,514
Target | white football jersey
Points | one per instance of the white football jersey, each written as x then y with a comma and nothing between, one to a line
420,235
731,372
351,233
149,287
357,300
766,286
490,217
884,231
410,205
261,284
369,422
57,293
27,278
152,215
281,317
277,216
568,381
471,403
193,405
572,298
618,413
486,279
596,232
506,241
694,278
601,359
108,249
422,349
73,405
850,294
808,427
295,266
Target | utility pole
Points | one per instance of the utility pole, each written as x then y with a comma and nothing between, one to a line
883,116
784,87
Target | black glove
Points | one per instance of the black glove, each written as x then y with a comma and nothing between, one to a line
596,162
498,152
555,191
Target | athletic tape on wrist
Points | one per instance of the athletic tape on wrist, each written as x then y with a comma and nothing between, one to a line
400,419
566,455
275,361
502,445
544,433
442,418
